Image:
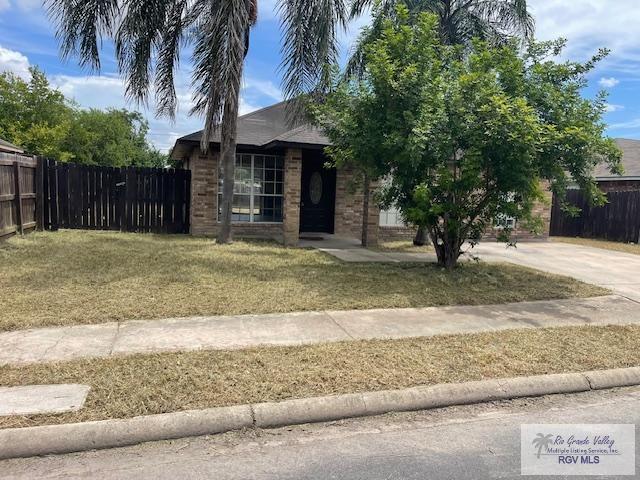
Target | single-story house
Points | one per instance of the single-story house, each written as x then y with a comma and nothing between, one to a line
7,147
282,188
630,179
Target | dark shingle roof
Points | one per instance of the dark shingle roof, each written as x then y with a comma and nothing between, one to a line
266,127
630,160
9,147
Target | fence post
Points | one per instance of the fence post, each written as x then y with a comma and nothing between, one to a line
53,193
40,193
18,197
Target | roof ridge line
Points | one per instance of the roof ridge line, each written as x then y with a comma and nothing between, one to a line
268,107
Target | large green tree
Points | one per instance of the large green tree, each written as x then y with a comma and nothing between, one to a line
150,36
459,22
466,139
40,119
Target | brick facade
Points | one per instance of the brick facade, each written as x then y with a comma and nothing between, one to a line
348,207
291,201
204,192
541,209
299,144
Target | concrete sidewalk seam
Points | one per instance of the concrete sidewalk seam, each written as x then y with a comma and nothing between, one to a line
115,339
66,438
339,325
586,377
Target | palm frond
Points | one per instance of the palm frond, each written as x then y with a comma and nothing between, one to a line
137,40
218,56
81,26
310,43
168,59
508,16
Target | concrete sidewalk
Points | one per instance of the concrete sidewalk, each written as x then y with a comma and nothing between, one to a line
231,332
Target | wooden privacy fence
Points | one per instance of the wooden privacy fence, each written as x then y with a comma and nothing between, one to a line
18,175
130,199
618,220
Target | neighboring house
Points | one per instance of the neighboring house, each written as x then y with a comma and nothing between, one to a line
630,179
7,147
282,188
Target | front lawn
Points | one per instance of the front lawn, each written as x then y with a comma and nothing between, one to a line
123,387
607,245
82,277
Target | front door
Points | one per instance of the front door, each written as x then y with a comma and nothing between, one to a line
317,194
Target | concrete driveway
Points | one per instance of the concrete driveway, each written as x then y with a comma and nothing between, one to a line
618,271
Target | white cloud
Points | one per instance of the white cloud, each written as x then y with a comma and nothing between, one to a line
246,107
91,91
592,24
267,10
12,61
262,87
24,5
28,5
631,124
612,107
608,82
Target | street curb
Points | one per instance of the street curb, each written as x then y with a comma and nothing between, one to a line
75,437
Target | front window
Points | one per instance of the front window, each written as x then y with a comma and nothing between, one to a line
391,218
503,221
258,188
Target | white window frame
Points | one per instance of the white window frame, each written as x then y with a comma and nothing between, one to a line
391,212
502,221
252,193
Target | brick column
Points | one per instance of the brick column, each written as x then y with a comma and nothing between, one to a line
543,208
291,206
204,193
350,206
373,219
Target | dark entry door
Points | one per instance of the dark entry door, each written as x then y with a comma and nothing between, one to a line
317,194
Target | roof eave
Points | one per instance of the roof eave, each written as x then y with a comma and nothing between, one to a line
285,144
631,178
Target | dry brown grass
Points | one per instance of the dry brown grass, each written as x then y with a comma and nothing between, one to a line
403,246
591,242
148,384
81,277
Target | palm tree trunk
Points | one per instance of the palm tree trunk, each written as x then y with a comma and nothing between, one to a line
228,142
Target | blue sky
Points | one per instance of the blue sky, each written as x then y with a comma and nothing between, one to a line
27,38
